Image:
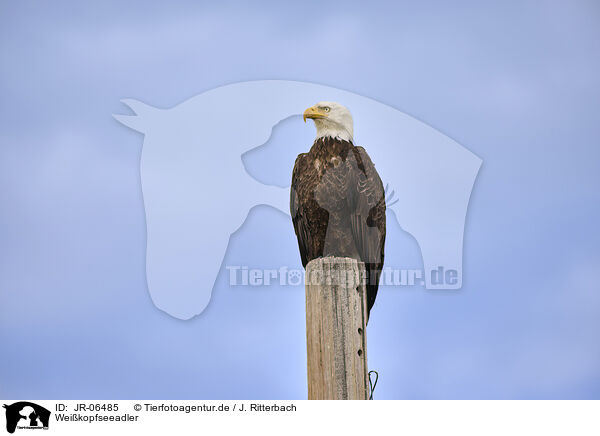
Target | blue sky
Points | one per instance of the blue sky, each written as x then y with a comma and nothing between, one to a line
516,83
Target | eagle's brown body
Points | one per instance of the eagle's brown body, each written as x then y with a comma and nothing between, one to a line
338,207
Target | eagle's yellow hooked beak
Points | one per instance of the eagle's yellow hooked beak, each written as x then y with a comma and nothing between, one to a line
313,113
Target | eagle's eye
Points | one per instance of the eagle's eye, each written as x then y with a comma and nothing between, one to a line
326,108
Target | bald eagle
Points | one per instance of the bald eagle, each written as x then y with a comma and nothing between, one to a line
337,200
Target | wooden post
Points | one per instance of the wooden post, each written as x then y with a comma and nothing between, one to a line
336,314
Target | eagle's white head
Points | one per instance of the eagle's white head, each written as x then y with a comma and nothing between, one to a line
331,119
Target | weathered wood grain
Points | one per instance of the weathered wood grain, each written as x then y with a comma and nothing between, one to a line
336,314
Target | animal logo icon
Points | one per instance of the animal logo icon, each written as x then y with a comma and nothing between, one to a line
24,414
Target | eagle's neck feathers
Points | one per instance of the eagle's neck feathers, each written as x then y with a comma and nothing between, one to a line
326,147
327,128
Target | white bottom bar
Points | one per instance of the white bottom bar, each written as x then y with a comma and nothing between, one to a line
310,418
